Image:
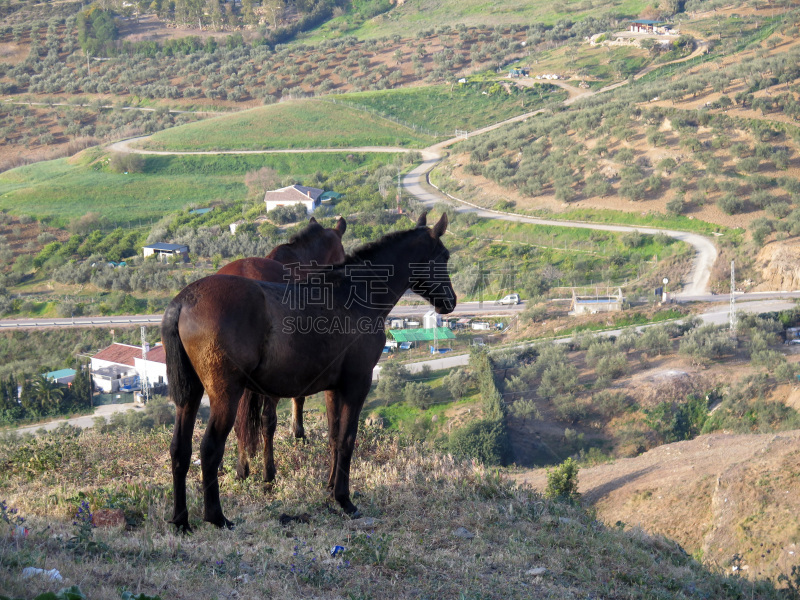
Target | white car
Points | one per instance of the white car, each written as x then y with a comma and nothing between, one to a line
510,299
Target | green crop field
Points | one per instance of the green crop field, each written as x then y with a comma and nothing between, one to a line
61,190
443,109
302,124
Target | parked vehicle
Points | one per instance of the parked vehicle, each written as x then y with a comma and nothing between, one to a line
509,299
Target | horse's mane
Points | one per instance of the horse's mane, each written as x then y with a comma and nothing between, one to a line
369,250
306,235
305,238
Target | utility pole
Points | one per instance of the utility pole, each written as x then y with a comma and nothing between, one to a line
144,383
732,316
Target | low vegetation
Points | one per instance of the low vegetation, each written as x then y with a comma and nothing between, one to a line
282,542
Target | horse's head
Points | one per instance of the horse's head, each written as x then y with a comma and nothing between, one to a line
332,243
431,279
313,244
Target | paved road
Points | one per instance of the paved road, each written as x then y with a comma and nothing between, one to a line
464,309
488,309
83,422
718,316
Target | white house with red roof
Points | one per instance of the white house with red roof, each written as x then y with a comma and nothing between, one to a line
154,368
294,194
120,367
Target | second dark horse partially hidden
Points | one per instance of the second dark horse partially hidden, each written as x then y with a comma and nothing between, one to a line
312,247
226,334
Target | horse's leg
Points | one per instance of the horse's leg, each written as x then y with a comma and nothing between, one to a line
248,424
224,403
297,417
332,410
348,403
181,452
269,423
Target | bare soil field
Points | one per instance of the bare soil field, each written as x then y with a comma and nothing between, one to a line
717,495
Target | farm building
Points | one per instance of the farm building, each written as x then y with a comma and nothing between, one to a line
648,26
431,319
120,367
62,376
422,334
294,194
154,367
582,305
165,251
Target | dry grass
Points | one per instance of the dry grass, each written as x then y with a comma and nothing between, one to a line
419,499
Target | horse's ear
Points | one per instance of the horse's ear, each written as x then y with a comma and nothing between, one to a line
312,221
441,226
341,226
423,219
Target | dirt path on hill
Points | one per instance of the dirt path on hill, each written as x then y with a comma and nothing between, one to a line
717,495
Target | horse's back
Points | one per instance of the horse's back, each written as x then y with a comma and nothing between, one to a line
263,269
224,318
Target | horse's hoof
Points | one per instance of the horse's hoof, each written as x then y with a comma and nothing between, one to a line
355,515
242,472
220,522
182,527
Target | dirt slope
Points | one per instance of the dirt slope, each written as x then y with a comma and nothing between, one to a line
717,495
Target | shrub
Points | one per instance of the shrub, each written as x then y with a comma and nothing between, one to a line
731,204
562,482
457,383
418,394
126,163
484,440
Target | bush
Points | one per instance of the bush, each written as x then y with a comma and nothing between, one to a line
126,163
731,204
562,482
418,394
484,440
457,383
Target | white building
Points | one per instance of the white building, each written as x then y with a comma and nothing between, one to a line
121,367
431,319
165,251
294,194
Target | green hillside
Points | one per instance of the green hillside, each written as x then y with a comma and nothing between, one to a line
299,124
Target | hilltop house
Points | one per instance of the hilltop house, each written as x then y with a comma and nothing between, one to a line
165,251
294,194
649,26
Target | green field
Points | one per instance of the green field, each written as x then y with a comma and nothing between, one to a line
302,124
420,15
60,190
443,109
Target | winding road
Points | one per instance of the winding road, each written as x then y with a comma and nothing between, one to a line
417,183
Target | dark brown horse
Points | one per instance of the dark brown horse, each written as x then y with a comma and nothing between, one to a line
287,263
227,334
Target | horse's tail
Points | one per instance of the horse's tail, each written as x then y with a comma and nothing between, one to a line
248,421
182,379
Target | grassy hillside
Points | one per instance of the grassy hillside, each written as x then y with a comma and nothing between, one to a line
65,189
517,544
306,124
416,16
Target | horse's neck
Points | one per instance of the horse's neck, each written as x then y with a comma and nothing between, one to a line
285,254
387,269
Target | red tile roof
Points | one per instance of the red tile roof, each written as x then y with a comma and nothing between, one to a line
158,355
121,354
